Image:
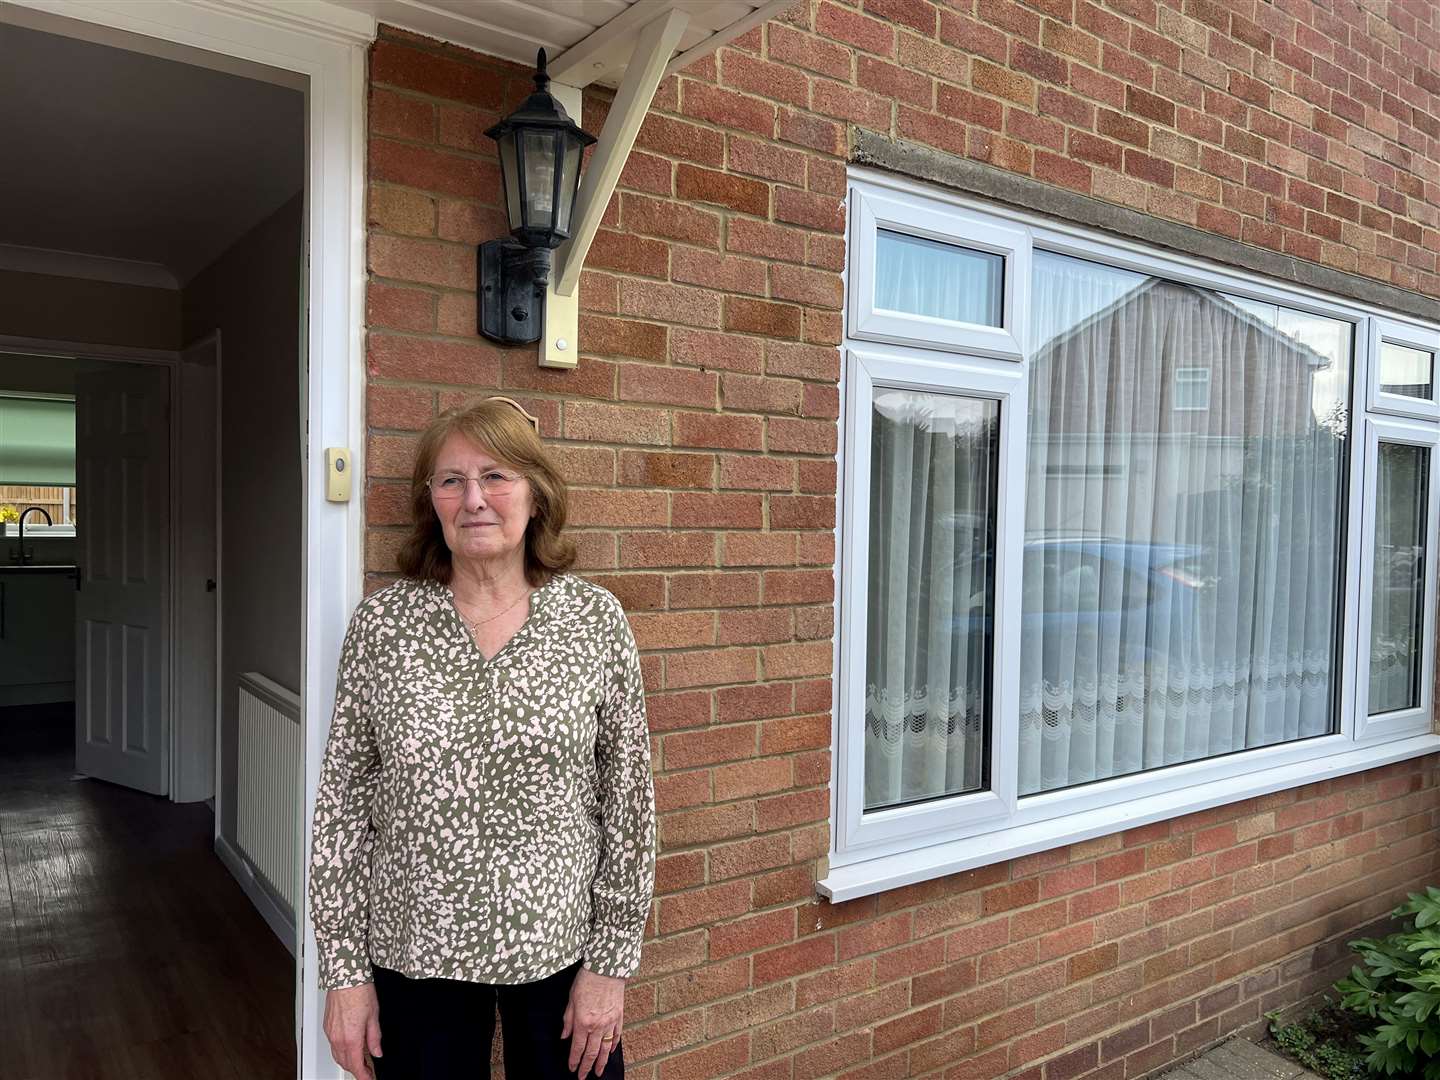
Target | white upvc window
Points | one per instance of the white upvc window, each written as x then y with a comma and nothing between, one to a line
1403,379
1395,693
946,279
1124,536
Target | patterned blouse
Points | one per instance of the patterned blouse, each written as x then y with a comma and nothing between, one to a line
484,820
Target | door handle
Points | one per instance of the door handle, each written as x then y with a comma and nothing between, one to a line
210,584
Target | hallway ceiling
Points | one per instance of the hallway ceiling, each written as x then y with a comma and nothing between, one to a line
118,155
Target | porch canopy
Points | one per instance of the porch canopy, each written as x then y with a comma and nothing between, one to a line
627,44
587,41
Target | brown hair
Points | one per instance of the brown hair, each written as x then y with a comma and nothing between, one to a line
503,429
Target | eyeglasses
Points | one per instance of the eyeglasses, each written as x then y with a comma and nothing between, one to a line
493,484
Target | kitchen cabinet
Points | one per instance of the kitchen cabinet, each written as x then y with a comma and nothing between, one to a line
37,634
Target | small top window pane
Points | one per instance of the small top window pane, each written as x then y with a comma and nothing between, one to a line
1406,371
942,281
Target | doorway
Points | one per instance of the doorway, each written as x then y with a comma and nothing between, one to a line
323,49
165,214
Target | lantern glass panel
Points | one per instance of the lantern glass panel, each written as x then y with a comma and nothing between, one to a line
569,174
510,177
538,158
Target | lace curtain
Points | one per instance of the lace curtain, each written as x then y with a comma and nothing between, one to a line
1181,551
931,595
939,280
1397,615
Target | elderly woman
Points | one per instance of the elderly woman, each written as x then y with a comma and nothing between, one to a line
485,824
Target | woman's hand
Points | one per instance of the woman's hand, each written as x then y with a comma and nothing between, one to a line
352,1024
596,1008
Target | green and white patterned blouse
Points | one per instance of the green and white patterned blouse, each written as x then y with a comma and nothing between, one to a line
494,820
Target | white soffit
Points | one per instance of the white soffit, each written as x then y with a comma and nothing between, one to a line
586,41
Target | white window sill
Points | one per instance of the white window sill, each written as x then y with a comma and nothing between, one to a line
34,531
868,876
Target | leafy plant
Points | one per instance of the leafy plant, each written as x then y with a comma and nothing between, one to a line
1399,990
8,514
1323,1041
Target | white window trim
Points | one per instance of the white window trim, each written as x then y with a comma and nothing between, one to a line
1388,330
38,531
993,380
874,852
871,212
1419,719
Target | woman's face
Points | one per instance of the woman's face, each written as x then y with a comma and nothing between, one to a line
479,526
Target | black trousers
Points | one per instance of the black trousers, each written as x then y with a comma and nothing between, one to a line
442,1029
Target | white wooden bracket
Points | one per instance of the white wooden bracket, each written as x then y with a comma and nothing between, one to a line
654,45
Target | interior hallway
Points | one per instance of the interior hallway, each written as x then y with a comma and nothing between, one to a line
116,923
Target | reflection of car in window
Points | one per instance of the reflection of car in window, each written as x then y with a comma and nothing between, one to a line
1093,592
1128,604
1066,574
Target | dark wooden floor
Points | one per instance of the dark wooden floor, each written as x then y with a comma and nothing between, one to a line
127,951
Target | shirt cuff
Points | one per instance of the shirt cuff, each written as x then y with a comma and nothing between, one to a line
613,951
345,963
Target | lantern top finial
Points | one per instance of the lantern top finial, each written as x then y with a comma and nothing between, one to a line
540,110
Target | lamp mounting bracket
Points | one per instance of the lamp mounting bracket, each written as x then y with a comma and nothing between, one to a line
654,46
513,280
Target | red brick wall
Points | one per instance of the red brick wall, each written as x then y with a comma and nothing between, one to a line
699,435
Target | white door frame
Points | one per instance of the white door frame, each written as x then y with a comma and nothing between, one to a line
327,45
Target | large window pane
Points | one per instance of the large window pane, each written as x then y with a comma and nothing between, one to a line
931,597
1397,619
1181,562
1406,371
925,277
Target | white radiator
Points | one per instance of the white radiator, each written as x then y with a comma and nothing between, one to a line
269,782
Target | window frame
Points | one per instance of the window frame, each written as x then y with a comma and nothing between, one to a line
888,848
1418,719
993,380
1388,330
872,212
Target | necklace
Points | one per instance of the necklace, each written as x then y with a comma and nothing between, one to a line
471,626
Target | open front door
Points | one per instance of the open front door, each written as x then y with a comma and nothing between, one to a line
122,616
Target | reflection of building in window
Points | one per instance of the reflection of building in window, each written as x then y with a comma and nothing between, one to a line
1183,528
1192,389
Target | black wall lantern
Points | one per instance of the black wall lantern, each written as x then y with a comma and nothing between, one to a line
540,150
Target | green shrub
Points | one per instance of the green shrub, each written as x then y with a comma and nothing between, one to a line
1399,989
8,514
